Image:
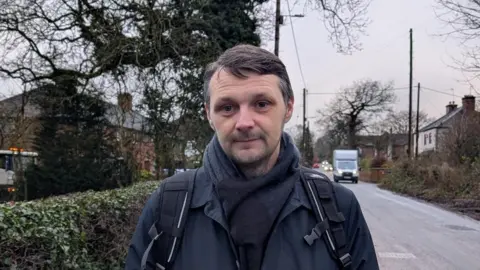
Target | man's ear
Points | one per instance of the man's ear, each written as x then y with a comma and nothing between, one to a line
289,112
207,111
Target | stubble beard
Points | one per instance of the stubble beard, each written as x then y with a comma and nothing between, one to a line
256,166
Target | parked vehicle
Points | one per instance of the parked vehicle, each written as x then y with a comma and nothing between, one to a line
345,165
11,161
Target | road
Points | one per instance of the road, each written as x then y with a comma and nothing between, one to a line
410,234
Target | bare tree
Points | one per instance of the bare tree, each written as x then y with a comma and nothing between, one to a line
44,39
353,107
460,144
462,21
397,122
196,133
265,14
41,40
89,42
161,95
296,132
323,148
344,20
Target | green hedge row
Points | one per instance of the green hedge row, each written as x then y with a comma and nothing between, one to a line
89,230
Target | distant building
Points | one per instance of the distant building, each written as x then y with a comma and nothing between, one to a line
389,146
431,135
121,117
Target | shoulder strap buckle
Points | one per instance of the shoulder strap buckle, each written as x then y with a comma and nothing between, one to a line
346,260
317,232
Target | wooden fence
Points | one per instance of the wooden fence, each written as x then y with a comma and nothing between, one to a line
373,175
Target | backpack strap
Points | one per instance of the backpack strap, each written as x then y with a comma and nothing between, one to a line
321,194
174,198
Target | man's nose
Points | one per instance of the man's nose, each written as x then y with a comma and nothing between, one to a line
245,119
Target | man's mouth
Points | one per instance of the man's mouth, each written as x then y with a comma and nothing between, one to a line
244,141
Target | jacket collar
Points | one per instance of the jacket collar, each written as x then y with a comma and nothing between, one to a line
204,193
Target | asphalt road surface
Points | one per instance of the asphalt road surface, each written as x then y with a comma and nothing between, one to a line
410,234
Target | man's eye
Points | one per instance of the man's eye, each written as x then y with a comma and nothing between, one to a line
228,108
263,104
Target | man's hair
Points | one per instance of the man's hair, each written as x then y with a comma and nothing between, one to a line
243,59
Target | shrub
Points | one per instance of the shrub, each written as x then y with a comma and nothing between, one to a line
432,181
378,162
89,230
145,176
365,163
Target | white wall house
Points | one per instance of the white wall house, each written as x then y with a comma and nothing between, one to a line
431,134
427,140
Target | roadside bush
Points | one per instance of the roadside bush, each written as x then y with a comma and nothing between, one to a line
89,230
378,162
145,176
365,163
432,181
448,175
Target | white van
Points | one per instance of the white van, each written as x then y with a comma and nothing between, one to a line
345,165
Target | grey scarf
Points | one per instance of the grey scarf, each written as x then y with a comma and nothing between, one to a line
252,206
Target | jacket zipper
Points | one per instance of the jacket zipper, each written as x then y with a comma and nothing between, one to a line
232,246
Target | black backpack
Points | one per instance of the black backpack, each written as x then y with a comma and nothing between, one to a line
173,206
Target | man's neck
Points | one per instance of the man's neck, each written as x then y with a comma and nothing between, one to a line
257,171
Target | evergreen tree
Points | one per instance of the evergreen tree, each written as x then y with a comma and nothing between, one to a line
72,143
208,29
308,154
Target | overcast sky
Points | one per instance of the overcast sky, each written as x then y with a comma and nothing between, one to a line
385,56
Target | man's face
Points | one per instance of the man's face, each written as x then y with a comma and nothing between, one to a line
248,115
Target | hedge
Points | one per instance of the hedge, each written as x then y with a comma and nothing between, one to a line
89,230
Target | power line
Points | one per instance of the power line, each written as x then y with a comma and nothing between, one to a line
393,89
295,43
440,92
432,104
303,78
335,93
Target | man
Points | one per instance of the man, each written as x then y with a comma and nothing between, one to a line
250,207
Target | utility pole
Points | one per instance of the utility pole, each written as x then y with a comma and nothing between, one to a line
304,120
278,21
410,99
418,119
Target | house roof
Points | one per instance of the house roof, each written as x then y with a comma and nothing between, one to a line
133,119
367,140
443,121
372,140
399,139
11,104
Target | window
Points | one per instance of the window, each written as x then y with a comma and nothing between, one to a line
425,139
430,138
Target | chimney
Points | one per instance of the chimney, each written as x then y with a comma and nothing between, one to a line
468,103
124,101
451,106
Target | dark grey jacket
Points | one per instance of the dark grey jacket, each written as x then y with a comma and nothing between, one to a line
206,245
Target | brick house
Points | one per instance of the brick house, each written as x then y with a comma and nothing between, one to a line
20,119
367,146
389,146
